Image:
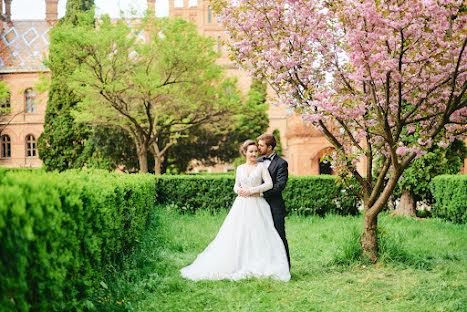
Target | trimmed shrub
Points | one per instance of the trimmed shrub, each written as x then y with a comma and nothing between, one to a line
450,197
303,195
60,232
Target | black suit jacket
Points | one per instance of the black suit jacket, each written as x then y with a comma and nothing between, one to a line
279,171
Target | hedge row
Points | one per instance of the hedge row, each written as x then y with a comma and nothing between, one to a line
60,232
450,197
303,195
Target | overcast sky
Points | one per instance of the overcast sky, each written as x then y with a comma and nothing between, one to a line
35,9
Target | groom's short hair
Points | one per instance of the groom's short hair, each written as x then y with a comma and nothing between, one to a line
268,138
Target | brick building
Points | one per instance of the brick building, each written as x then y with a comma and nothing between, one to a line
24,44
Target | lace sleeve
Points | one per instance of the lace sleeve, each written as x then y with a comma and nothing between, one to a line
237,185
267,181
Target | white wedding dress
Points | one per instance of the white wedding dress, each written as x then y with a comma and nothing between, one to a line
247,244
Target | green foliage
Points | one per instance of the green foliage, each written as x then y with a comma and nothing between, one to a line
276,133
450,197
318,195
4,98
110,148
59,233
73,7
62,141
419,174
156,79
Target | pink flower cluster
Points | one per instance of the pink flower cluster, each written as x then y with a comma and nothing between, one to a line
380,72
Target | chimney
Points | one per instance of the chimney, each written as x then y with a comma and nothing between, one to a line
51,11
152,6
8,10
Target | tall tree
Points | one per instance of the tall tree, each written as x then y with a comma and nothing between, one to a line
250,121
278,148
367,74
62,141
154,78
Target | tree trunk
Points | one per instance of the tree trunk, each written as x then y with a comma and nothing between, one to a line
157,165
142,152
407,206
369,238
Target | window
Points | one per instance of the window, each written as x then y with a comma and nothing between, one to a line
178,3
6,146
192,3
325,167
219,46
31,150
30,97
209,14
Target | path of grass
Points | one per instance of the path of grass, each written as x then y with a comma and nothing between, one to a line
423,268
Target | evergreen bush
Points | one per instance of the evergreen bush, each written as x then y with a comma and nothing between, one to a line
450,197
318,195
59,233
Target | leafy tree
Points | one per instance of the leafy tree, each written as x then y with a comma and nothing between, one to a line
250,121
4,98
416,178
62,141
367,74
213,143
110,148
155,78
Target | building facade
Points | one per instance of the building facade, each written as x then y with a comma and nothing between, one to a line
24,45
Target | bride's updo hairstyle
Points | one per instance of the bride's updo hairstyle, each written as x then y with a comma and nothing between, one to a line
245,145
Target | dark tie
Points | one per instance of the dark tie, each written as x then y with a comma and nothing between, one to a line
268,158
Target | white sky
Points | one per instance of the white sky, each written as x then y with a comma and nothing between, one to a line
35,9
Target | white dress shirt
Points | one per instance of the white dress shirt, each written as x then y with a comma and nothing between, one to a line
267,162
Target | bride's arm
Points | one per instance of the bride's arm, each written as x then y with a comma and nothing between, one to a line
267,181
237,185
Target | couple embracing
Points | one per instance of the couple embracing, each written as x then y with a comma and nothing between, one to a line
251,242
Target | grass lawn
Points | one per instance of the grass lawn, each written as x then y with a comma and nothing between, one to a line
423,268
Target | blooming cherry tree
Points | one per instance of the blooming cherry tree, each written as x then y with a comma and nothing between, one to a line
383,80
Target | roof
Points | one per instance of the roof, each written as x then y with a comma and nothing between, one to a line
24,44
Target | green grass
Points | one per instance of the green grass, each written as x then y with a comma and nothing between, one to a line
423,268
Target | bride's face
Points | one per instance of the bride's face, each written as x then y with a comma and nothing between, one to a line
252,153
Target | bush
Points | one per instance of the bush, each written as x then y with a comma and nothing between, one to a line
60,232
303,195
450,197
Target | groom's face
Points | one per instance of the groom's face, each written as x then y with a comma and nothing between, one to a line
264,149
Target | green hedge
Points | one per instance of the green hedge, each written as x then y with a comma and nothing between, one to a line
60,232
450,197
303,195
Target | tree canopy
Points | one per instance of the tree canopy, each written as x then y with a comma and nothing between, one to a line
153,78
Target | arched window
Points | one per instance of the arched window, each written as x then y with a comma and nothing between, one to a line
192,3
31,150
6,146
30,97
219,45
209,14
178,3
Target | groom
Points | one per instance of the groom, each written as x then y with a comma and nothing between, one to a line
278,169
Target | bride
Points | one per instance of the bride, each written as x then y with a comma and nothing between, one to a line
247,244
